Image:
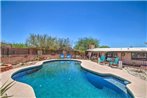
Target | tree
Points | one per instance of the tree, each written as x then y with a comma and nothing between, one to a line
5,44
104,46
52,43
32,41
64,43
13,45
39,41
84,43
19,45
47,42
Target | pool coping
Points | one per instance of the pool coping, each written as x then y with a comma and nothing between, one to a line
137,86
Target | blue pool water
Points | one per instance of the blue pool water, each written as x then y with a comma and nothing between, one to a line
66,79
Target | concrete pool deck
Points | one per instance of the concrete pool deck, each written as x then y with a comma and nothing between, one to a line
137,86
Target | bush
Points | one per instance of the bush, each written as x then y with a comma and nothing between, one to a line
4,88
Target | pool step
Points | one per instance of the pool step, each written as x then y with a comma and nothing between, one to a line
117,83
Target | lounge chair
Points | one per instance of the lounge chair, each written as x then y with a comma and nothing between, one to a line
61,56
115,62
102,59
68,56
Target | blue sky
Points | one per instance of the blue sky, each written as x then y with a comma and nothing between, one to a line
116,24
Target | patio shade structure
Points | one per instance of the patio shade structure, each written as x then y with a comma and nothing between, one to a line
136,56
118,50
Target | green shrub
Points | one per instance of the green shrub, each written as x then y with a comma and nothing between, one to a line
4,88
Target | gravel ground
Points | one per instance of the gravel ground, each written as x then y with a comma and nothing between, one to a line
24,64
136,71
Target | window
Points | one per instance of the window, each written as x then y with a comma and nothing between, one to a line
139,56
111,54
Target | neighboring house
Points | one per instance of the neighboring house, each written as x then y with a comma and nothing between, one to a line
135,56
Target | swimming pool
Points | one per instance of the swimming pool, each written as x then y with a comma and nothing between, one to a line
66,79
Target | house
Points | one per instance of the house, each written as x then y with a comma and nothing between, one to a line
135,56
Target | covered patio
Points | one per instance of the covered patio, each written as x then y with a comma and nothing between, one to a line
131,56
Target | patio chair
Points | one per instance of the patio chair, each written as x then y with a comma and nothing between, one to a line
102,59
61,56
68,56
115,62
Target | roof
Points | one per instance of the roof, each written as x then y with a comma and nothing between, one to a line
118,49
